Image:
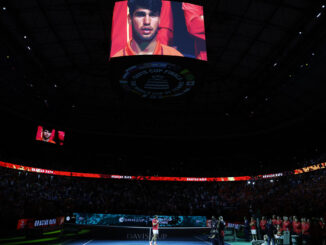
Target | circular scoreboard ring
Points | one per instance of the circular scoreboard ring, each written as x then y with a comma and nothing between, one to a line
157,80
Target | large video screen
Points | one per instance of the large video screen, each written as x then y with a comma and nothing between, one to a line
156,27
50,135
139,220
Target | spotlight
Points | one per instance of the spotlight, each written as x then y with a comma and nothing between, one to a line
28,47
25,37
4,8
318,15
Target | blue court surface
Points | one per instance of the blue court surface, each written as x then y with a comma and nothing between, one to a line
84,242
76,235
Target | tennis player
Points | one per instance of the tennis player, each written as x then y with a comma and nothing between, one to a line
155,224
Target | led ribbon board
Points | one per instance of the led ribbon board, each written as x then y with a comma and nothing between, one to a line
308,169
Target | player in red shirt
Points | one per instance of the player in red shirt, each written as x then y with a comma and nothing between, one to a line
279,221
155,224
286,224
253,228
262,225
305,224
296,225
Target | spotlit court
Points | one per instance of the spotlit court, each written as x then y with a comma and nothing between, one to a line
74,235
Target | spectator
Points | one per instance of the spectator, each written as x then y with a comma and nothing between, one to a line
305,224
286,224
262,225
253,228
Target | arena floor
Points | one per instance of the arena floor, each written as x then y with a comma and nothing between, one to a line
96,236
100,242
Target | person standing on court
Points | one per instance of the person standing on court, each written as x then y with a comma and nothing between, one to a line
246,229
262,226
221,227
253,228
214,237
270,231
155,224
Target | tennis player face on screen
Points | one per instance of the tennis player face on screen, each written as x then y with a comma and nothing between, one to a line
46,134
144,18
144,24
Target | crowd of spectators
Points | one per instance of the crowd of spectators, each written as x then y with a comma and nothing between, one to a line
271,229
31,195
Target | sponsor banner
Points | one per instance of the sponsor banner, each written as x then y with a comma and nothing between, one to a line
39,223
310,168
236,225
160,178
269,176
139,220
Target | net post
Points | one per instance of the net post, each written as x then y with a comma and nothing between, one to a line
149,235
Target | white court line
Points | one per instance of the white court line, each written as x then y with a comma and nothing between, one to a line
88,242
202,240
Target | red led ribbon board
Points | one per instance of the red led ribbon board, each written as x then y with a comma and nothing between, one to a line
160,178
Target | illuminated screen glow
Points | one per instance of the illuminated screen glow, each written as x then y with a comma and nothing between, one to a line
159,178
175,29
50,135
139,220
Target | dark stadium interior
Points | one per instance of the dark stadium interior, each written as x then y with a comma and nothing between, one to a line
258,101
258,106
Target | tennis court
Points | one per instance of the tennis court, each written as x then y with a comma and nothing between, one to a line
124,236
138,242
94,241
82,235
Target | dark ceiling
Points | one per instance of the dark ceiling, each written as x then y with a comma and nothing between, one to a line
264,76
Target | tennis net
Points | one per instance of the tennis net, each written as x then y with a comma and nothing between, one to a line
145,233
